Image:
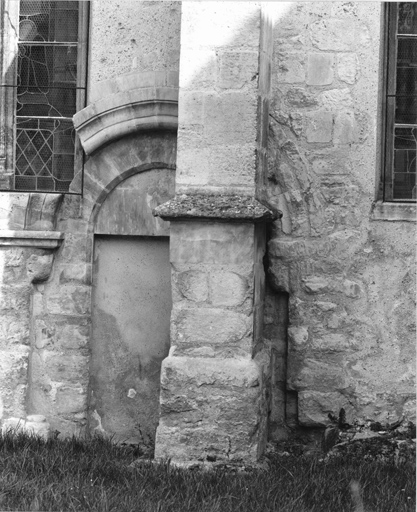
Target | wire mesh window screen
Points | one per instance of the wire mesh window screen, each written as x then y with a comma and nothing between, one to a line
48,91
401,131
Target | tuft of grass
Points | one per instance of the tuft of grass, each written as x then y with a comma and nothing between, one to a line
94,475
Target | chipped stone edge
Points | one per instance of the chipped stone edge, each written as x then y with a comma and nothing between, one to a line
226,208
37,239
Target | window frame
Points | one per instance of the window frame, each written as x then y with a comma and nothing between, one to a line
389,104
9,19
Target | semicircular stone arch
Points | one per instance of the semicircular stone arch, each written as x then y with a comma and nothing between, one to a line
129,136
131,306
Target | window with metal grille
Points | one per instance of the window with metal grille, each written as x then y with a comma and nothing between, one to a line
401,103
45,82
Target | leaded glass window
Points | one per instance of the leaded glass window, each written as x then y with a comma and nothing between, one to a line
48,88
401,102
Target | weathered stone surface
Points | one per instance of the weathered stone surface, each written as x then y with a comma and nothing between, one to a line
351,289
298,97
146,41
339,35
75,273
14,329
39,267
290,68
70,300
227,289
316,284
66,333
336,99
208,243
66,367
347,67
216,416
13,381
127,210
209,326
237,69
337,342
34,424
320,375
345,128
314,407
319,126
297,337
70,399
223,207
193,285
320,68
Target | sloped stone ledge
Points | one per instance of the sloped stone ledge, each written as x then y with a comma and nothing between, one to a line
36,239
405,212
128,104
225,208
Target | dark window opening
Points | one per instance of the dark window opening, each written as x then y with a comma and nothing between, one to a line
49,88
401,103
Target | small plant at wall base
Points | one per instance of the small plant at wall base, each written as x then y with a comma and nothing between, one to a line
97,475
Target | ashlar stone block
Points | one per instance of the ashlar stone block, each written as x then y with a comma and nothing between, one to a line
320,68
319,126
314,407
207,243
237,69
71,399
347,67
227,289
220,114
339,35
315,374
345,128
290,68
208,326
297,337
217,420
193,285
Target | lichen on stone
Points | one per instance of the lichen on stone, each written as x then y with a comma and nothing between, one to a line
220,207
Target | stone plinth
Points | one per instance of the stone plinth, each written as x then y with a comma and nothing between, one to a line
213,383
210,409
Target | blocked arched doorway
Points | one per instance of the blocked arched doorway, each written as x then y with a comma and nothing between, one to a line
131,307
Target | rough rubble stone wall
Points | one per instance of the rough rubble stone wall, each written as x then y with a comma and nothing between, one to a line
46,321
61,311
18,270
350,279
22,269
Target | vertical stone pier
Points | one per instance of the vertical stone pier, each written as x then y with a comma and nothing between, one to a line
214,403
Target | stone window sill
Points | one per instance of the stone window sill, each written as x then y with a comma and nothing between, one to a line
394,212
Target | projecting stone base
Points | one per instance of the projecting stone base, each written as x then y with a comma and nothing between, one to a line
210,410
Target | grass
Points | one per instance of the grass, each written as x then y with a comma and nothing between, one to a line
76,475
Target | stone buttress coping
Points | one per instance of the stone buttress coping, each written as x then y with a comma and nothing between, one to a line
219,207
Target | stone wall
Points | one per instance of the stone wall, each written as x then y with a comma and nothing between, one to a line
61,314
338,321
129,35
46,275
349,278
